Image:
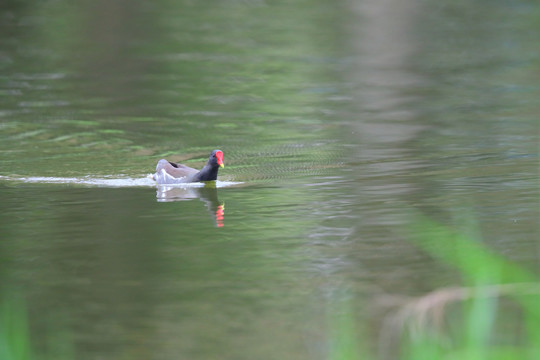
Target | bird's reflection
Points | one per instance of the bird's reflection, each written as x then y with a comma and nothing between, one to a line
207,194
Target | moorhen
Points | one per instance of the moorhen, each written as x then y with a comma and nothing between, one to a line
171,173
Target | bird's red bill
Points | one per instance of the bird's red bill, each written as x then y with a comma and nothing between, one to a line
219,157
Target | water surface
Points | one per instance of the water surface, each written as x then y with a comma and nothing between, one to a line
339,123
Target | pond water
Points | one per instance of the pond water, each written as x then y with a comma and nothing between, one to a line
340,123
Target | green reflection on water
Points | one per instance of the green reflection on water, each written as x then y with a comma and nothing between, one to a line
111,96
335,117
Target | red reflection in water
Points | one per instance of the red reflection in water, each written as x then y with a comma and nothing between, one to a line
220,214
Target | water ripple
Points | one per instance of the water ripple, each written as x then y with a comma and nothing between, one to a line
109,181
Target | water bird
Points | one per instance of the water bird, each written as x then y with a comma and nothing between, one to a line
168,172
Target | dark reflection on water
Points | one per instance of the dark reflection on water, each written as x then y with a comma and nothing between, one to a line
340,121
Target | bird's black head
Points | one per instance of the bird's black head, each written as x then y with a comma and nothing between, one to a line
216,158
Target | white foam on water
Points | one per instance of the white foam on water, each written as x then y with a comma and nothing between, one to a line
109,181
